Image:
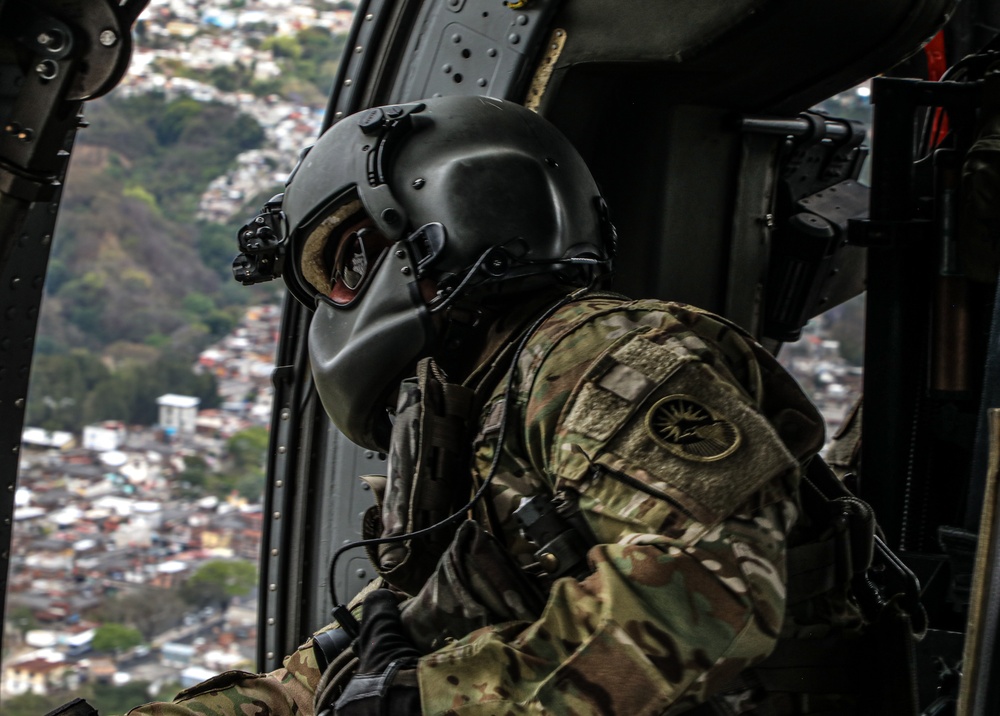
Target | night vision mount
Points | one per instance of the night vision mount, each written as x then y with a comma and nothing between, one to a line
262,245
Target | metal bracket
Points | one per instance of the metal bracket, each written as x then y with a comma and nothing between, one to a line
262,245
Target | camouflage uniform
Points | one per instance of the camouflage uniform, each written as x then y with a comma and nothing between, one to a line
681,441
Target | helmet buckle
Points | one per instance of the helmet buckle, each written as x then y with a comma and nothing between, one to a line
426,245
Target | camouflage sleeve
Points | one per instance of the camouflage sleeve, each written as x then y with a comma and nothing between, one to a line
661,623
690,491
287,691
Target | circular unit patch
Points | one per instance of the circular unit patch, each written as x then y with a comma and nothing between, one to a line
690,430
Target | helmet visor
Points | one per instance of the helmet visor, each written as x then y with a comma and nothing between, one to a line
340,254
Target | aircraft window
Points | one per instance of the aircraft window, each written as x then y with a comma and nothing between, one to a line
827,360
139,516
828,357
135,548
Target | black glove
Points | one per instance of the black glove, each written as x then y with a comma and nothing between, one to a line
386,682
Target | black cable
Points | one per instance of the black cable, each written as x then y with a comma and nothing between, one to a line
473,272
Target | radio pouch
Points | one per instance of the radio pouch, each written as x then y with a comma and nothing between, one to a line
428,476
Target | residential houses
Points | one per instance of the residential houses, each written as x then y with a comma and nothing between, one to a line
105,511
202,36
113,516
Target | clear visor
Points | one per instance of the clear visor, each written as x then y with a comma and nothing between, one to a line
341,253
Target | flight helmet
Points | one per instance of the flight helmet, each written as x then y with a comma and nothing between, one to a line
402,218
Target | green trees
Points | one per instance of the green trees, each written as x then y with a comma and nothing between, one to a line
127,233
148,610
128,239
112,637
245,471
30,704
74,389
309,60
108,699
170,149
215,583
60,386
247,449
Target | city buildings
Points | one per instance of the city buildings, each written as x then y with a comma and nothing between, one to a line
110,525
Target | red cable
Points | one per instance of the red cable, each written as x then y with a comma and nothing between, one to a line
937,64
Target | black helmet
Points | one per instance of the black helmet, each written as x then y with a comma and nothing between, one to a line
402,212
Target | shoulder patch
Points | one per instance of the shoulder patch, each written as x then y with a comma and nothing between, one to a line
651,416
689,429
608,397
700,442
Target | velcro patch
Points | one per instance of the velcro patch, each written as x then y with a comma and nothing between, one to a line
654,360
607,398
702,437
494,418
597,413
689,429
627,383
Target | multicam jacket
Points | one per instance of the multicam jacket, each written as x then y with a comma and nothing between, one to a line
681,441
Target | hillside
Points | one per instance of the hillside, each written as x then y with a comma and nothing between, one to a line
137,285
134,281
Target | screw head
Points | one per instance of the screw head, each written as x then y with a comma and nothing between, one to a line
47,69
549,562
53,39
108,38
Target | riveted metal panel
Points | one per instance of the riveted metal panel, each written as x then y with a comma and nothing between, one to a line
21,283
473,48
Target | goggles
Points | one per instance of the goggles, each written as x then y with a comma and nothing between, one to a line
341,253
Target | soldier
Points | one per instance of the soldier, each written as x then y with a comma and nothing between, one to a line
632,468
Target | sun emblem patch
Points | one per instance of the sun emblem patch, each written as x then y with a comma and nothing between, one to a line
689,430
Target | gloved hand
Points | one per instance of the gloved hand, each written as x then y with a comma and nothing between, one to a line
386,682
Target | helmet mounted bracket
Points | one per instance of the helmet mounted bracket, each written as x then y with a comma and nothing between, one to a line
426,245
389,127
262,245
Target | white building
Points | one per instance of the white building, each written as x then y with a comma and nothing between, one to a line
109,435
178,413
41,438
